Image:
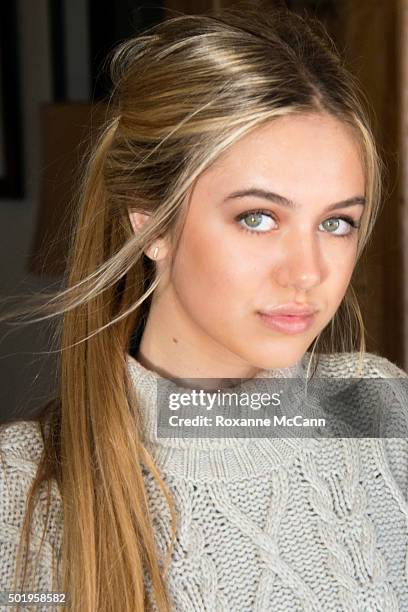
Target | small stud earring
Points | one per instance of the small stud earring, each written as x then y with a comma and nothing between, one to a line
156,250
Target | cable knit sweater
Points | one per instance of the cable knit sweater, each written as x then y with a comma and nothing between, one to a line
282,524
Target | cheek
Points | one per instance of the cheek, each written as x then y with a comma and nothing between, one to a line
341,272
212,275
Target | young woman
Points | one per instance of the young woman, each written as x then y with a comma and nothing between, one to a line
223,211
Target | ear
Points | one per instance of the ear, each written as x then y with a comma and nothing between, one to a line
160,246
137,219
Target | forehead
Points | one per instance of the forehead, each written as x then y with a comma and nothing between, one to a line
290,153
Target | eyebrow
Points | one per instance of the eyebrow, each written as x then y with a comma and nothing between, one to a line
279,199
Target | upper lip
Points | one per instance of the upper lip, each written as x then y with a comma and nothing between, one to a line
291,308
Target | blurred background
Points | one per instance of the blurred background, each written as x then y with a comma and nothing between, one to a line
52,93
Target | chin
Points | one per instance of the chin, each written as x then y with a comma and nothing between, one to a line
277,359
279,365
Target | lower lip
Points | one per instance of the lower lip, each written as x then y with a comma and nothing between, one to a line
288,324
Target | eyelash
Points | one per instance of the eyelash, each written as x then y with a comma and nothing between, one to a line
346,218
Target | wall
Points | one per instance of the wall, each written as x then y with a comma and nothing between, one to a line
25,376
403,38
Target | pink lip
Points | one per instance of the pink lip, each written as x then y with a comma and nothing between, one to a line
288,324
291,308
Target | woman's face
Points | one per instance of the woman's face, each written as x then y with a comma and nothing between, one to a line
264,228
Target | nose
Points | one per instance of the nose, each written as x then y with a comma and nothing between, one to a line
300,266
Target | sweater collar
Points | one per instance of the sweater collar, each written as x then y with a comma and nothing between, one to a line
250,453
141,373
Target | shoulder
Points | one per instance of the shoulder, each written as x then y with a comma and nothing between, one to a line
390,402
21,440
20,452
346,365
21,449
372,390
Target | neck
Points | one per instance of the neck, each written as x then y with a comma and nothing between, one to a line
188,354
184,376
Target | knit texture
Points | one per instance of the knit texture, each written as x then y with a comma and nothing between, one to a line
282,524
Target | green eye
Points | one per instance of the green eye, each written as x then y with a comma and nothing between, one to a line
331,224
254,219
335,223
257,220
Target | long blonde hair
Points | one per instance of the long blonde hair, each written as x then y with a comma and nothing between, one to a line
182,93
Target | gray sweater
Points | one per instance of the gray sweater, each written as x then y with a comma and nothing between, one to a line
264,523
